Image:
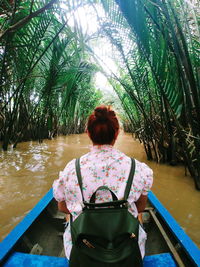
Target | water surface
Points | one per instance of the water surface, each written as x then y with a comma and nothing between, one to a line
27,173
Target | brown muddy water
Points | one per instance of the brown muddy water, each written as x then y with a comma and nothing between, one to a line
27,173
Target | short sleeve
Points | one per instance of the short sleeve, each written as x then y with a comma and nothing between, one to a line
58,188
60,185
147,180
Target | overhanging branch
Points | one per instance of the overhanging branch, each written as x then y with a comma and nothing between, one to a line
26,20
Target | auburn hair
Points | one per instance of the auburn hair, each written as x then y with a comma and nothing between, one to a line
102,125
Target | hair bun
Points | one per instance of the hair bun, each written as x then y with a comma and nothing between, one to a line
103,126
101,113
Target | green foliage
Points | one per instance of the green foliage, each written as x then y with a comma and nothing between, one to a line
45,73
159,78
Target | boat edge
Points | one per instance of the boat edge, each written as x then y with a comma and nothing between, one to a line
18,231
11,239
186,242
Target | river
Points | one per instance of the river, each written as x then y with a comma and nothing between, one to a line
27,173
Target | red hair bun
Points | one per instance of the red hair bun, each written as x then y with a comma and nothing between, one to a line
103,125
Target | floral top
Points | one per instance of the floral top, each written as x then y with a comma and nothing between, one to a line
103,165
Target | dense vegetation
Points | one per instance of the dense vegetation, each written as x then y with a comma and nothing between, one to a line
46,71
158,43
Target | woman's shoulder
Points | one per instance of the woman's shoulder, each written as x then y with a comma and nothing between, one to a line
70,166
143,177
143,168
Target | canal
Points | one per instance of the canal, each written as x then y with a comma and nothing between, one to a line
27,173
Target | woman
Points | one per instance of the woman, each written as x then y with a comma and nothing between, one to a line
103,165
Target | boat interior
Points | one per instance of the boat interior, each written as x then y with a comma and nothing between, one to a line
45,237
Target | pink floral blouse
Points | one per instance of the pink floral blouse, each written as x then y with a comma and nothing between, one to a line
103,165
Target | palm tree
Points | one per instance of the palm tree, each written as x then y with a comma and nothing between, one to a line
161,76
42,68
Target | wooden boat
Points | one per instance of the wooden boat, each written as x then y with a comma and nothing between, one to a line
37,239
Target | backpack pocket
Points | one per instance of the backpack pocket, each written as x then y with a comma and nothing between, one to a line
107,235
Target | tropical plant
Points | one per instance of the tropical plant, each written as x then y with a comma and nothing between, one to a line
159,58
44,71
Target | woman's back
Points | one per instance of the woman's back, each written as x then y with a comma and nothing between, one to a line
102,166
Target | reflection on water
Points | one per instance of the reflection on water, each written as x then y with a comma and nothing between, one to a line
27,173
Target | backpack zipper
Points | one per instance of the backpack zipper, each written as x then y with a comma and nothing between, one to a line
132,235
87,243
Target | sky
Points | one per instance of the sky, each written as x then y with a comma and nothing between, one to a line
86,17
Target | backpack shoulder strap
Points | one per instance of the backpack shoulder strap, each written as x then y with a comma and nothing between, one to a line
128,185
78,173
130,179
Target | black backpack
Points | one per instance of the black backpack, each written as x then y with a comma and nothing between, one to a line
105,234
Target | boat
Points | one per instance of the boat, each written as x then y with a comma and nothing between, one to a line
37,239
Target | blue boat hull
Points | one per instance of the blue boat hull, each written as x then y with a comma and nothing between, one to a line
13,253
